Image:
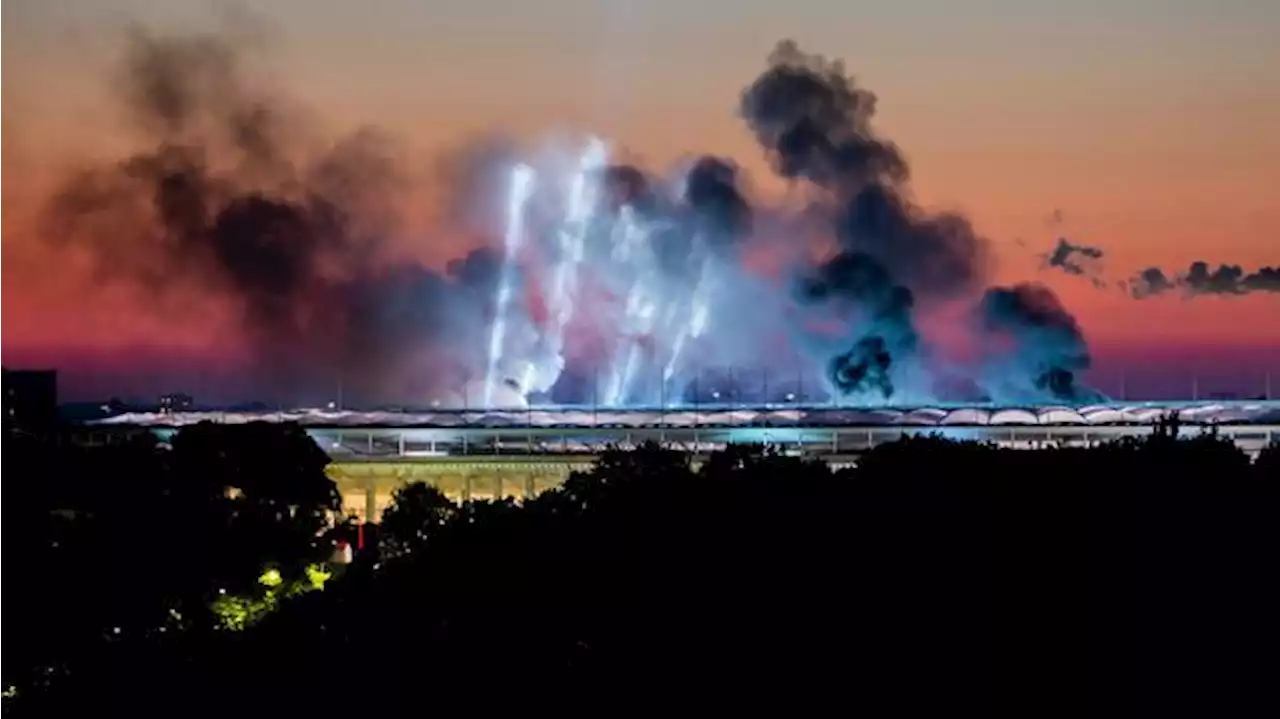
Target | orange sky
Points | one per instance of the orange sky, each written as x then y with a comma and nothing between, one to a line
1150,126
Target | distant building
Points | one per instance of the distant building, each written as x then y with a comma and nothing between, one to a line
176,402
30,399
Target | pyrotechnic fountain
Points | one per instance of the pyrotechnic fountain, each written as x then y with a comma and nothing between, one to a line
612,258
521,183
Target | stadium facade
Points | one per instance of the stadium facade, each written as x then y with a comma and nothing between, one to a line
493,454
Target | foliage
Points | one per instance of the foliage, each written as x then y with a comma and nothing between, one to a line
135,542
238,612
936,576
1267,465
417,514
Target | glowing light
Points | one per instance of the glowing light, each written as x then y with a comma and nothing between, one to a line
605,262
521,185
571,249
317,576
236,612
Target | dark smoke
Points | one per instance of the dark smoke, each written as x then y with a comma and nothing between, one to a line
412,325
1042,337
713,210
629,185
721,213
857,280
1078,260
225,203
865,367
217,206
1149,282
815,122
1199,280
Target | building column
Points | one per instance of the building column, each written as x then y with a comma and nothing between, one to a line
371,501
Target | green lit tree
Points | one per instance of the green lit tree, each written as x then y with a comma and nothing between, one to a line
267,486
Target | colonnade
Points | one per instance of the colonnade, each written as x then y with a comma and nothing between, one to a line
367,488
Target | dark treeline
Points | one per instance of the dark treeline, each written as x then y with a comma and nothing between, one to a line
1137,578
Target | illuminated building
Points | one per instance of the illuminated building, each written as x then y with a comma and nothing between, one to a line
495,454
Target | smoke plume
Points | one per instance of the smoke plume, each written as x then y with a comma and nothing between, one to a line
714,194
221,204
612,284
1078,260
815,123
1046,346
1199,280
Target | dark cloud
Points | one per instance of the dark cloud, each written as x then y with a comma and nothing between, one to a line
217,205
1078,260
815,124
1199,280
1031,331
859,286
713,193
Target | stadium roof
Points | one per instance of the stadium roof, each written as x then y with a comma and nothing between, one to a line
1252,412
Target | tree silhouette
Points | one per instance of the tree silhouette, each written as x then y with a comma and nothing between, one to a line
1267,465
418,513
937,575
125,547
266,487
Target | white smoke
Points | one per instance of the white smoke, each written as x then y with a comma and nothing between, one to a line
601,264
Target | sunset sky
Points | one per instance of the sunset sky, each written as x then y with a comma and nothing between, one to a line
1147,126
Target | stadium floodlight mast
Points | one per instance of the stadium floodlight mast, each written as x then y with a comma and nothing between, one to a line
662,399
697,400
336,404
